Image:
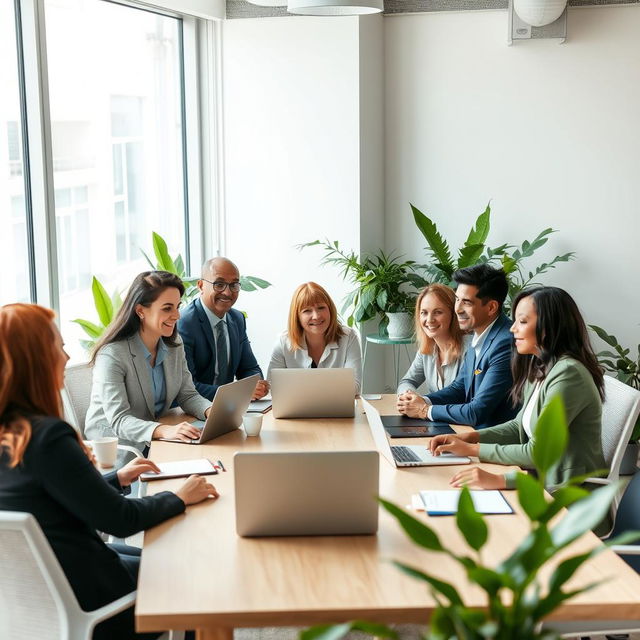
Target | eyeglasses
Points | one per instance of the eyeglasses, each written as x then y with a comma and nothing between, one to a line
221,285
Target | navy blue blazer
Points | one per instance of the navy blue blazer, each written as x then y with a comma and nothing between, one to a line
200,348
479,396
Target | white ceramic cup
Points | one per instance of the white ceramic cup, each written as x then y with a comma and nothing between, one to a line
105,450
252,423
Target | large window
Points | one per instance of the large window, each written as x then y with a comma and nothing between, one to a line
111,158
14,283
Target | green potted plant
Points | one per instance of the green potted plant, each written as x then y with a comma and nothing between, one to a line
107,306
385,286
475,249
626,370
518,598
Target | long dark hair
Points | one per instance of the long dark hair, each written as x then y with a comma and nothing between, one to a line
560,331
144,290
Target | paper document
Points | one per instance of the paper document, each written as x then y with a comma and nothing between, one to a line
445,503
181,469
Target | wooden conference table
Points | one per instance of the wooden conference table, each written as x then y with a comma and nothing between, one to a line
196,573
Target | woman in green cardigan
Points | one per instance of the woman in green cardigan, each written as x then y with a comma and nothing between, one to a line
553,356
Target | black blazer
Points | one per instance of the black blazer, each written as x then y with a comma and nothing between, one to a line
57,483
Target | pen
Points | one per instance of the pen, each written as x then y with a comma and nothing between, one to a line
221,465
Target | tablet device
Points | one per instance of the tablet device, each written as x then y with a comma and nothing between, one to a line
399,426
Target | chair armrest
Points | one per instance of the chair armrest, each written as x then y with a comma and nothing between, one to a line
626,549
126,447
109,610
597,481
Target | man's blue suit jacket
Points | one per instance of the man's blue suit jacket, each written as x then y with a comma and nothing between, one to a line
479,396
200,348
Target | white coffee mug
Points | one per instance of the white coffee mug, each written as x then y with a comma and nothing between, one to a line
105,450
252,423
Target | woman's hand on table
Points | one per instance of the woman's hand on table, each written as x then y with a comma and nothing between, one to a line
196,489
463,444
132,470
183,431
477,478
412,405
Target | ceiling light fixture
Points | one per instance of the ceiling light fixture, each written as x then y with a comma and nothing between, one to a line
335,7
539,13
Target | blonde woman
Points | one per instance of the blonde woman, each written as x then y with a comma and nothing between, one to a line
314,338
441,342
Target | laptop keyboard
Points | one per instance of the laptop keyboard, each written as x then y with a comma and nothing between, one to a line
404,454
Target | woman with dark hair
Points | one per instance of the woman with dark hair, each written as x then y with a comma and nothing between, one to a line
140,369
314,337
553,357
441,342
46,470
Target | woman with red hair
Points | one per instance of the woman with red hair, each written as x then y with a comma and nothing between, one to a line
314,337
46,470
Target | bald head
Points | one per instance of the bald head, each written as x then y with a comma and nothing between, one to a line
219,264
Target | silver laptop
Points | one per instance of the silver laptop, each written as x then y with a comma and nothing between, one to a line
405,455
229,405
306,493
313,393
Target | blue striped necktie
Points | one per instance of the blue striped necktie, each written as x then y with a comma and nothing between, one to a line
222,357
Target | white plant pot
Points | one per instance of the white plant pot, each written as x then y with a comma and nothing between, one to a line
400,325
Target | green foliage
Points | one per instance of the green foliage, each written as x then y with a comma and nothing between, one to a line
383,283
107,306
517,598
508,257
618,362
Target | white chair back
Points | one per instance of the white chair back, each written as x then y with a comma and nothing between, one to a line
36,599
76,395
620,412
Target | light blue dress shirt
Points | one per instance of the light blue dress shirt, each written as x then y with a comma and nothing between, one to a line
157,373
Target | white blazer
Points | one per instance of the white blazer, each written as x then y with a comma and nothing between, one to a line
343,354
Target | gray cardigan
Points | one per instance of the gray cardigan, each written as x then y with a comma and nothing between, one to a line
122,402
423,370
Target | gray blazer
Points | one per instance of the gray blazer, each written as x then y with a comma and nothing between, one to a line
122,401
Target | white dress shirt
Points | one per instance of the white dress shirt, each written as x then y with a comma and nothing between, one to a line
345,353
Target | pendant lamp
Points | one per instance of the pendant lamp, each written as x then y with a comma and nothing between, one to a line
335,7
539,13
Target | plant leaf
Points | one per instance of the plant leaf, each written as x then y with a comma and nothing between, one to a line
531,495
551,436
470,522
446,589
337,631
436,242
258,282
102,302
478,234
419,532
91,329
165,263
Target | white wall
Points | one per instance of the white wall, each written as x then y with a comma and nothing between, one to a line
291,115
549,132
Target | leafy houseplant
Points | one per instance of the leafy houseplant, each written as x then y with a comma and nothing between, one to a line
383,282
107,306
475,250
517,599
625,369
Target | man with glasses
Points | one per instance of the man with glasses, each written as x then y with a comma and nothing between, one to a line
215,335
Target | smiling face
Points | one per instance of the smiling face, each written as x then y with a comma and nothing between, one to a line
61,355
472,312
524,327
158,320
223,271
435,317
315,318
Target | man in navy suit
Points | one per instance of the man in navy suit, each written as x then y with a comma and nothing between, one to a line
215,335
479,396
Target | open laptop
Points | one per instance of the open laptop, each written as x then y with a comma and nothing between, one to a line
313,393
229,405
405,455
306,493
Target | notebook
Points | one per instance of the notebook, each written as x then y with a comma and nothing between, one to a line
445,502
229,405
313,393
302,493
399,426
405,455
